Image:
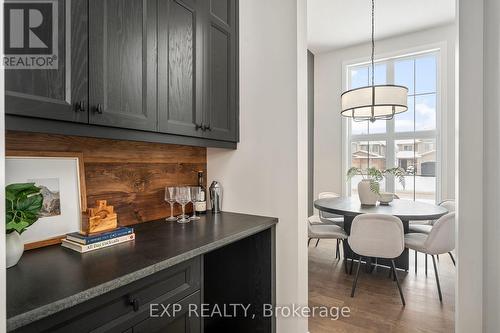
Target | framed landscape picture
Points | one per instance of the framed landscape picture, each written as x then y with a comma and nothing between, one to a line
61,178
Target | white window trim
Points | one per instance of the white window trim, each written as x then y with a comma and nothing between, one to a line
441,112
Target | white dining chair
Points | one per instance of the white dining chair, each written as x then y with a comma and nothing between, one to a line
327,218
440,240
425,227
326,231
330,218
379,236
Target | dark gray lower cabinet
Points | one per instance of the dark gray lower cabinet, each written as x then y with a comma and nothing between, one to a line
122,63
182,322
55,93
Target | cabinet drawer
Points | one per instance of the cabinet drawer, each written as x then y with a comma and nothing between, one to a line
180,322
121,309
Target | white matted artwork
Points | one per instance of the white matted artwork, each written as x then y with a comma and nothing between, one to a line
62,184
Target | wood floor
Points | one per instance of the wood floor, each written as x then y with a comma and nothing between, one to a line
376,307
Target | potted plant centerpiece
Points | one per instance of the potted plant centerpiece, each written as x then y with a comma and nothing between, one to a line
23,204
369,186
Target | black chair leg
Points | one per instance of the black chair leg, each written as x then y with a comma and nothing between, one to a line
426,264
452,259
309,242
416,255
390,272
397,282
437,278
437,256
355,282
317,243
352,265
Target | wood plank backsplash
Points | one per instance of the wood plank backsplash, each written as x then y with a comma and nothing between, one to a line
131,175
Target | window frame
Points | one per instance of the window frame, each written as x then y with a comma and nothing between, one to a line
390,136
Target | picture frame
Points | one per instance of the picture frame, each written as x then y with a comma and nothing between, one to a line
61,175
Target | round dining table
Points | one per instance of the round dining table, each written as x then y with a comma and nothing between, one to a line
406,210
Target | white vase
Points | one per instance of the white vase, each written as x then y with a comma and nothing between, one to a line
366,196
14,248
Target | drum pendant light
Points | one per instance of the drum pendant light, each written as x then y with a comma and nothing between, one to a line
375,101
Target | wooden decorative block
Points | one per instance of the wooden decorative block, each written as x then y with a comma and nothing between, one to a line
99,219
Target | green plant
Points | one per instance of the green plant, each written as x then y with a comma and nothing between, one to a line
376,176
23,205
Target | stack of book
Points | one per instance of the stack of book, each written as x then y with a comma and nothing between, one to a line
82,243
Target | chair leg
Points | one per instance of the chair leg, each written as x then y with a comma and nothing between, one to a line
452,259
309,242
426,264
355,282
437,256
416,255
352,265
397,282
437,278
317,243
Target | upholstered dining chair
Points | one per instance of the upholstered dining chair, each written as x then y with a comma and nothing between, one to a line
330,218
425,227
440,240
327,218
326,231
379,236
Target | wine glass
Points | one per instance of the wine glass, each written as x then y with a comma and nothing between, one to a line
170,198
183,197
195,197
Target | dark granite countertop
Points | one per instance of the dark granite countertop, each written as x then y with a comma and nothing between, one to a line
54,278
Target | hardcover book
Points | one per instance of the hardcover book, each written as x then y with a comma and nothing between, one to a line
94,246
85,240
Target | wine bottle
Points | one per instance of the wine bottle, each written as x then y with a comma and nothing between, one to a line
201,205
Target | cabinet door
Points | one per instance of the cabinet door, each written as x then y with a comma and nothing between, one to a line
182,322
180,65
55,93
222,68
122,59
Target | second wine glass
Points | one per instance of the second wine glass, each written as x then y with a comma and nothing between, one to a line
183,197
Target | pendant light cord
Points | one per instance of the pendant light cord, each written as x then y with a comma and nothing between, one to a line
373,42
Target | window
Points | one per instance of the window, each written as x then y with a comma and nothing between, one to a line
410,139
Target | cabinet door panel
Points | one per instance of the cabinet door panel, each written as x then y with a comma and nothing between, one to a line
221,82
54,93
179,67
123,63
182,322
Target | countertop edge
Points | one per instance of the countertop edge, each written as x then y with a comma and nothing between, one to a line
65,303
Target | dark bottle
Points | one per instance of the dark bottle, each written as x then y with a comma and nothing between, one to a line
201,204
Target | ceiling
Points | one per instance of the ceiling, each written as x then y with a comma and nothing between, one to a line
334,24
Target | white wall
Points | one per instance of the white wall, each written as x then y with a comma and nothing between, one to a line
267,174
328,168
491,176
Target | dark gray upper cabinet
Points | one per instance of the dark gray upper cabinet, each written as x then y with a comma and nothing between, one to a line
122,63
154,66
55,93
221,82
180,57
